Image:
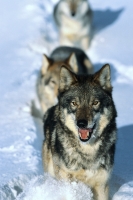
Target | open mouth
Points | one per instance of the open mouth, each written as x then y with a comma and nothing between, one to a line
85,134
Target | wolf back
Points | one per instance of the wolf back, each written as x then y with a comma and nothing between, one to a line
83,62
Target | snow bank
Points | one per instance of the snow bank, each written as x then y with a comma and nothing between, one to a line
14,187
125,192
47,188
35,187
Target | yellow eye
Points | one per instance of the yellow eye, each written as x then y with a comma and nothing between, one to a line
95,102
73,103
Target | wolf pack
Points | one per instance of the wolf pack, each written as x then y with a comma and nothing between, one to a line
76,105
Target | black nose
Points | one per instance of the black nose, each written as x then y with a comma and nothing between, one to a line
73,14
82,123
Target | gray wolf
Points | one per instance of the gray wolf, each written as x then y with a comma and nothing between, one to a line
74,21
80,131
48,79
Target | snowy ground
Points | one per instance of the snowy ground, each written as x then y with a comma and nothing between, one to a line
27,31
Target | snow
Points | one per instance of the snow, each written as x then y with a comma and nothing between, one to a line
125,192
45,187
28,31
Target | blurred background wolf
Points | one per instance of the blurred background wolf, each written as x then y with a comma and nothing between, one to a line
74,20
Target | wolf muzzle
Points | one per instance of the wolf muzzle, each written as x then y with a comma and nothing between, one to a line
84,132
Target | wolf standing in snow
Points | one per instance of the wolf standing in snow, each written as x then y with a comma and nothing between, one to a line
80,131
48,79
74,20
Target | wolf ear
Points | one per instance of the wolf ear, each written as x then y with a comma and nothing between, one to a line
45,64
67,78
104,78
72,61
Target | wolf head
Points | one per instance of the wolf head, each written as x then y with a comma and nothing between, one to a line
48,81
86,102
74,8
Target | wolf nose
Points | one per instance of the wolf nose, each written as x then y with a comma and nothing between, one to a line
73,14
82,123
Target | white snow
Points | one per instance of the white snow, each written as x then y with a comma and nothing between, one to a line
48,188
28,31
125,192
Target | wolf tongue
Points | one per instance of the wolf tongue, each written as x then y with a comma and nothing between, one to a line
84,133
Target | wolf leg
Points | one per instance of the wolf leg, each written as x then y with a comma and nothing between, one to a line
85,42
101,192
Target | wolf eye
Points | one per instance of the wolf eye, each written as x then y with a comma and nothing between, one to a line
73,103
52,81
95,102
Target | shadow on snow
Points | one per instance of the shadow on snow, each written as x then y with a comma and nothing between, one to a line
104,18
123,165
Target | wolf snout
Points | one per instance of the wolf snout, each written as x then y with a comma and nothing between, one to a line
73,14
82,123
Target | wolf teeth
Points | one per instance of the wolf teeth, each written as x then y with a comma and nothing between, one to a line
81,136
